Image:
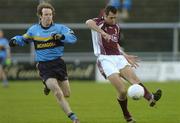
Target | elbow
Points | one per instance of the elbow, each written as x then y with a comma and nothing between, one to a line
69,38
88,22
73,39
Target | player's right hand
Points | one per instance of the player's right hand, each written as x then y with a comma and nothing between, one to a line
12,43
106,36
133,60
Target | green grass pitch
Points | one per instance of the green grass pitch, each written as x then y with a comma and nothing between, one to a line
24,102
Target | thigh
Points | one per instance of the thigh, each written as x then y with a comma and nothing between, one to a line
61,70
107,67
118,83
121,62
64,85
52,84
128,74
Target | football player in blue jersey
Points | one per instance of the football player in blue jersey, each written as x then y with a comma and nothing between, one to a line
49,38
5,59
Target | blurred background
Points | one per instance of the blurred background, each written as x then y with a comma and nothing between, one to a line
151,30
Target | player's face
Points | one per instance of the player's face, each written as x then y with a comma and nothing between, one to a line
46,17
111,18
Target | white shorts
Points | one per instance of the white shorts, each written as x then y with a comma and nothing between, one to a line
109,64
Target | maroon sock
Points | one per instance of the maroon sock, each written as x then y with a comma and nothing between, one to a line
147,94
123,104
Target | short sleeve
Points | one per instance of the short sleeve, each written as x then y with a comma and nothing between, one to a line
98,21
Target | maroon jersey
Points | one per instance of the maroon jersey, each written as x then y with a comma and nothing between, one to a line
102,46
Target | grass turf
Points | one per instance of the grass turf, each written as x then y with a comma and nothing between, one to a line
24,102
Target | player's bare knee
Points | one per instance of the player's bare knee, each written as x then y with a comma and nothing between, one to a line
58,94
67,94
52,84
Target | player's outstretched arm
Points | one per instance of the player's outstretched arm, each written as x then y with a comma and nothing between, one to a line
92,25
133,60
12,43
17,41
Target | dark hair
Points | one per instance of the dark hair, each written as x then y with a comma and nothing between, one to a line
110,9
44,5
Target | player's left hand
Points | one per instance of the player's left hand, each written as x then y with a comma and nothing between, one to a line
133,60
57,36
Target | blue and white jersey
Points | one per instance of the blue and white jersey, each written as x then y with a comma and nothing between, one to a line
4,44
46,48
